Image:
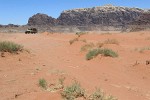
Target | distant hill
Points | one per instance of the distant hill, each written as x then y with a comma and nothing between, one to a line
107,15
41,19
103,18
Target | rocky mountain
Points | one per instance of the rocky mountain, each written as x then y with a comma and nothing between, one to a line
105,15
103,18
143,19
41,19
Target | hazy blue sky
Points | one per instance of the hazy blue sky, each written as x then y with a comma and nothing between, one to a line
18,11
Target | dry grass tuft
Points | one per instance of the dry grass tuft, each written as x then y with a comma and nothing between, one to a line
7,46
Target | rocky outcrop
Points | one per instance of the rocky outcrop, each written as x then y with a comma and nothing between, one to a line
143,19
41,19
105,15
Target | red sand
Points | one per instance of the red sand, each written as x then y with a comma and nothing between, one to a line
51,56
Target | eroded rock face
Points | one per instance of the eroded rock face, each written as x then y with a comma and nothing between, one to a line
105,15
143,19
41,19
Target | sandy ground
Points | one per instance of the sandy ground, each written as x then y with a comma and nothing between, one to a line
126,77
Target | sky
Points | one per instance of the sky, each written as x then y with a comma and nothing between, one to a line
19,11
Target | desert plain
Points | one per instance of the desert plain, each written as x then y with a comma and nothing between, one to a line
50,56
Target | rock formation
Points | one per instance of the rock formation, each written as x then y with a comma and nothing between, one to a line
105,15
41,19
143,19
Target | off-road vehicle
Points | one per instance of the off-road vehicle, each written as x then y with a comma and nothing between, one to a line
31,30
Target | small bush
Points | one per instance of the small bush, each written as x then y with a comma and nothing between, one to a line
87,47
111,41
99,95
72,41
43,83
73,91
109,52
92,53
95,52
7,46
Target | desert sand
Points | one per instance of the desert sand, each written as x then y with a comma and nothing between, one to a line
50,56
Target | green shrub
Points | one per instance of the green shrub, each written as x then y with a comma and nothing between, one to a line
43,83
92,53
95,52
7,46
73,91
109,52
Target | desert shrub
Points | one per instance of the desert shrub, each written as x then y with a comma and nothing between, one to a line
73,91
73,40
108,52
95,52
80,33
111,41
99,95
43,83
92,53
87,47
7,46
